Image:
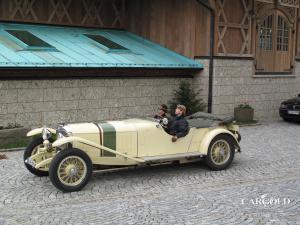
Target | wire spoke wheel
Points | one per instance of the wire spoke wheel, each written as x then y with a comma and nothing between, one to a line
32,149
220,152
35,150
72,170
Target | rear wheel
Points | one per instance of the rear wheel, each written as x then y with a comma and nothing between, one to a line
220,152
70,170
32,150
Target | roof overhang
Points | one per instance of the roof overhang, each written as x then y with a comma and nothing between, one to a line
87,73
73,50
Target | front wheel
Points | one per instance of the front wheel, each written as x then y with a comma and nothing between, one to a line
70,170
30,151
220,152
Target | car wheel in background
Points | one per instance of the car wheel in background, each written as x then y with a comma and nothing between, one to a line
32,150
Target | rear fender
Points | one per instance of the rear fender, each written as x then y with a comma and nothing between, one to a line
204,145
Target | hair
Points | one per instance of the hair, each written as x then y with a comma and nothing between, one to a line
164,108
182,108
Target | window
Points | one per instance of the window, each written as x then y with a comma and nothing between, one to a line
282,34
105,42
29,39
266,34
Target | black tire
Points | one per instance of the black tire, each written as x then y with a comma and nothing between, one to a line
28,152
239,138
287,119
58,159
225,138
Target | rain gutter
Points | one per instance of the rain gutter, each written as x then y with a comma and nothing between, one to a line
211,54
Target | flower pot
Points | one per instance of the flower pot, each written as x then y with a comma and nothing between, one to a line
243,114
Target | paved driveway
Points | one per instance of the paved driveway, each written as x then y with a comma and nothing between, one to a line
261,187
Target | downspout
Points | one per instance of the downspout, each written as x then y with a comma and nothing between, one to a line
211,54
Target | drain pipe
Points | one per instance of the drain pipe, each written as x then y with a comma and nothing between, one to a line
211,54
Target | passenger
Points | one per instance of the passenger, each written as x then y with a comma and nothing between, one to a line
179,127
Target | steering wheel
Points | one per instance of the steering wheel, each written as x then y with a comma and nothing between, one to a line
163,121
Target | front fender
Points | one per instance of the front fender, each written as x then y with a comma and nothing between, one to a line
204,145
39,131
67,140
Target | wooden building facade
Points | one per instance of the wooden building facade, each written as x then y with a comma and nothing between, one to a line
265,30
256,42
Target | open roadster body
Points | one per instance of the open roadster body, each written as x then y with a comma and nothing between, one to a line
71,152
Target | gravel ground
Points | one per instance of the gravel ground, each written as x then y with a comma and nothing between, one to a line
261,187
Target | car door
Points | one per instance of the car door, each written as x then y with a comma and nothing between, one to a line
154,141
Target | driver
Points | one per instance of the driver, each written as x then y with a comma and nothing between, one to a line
162,117
162,112
179,127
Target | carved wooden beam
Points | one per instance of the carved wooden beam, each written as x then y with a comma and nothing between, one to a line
92,11
224,25
60,10
24,8
104,13
288,3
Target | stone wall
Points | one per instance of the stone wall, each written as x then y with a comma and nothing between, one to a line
235,83
37,102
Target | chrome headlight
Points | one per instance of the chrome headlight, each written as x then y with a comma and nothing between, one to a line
62,132
60,135
46,133
283,106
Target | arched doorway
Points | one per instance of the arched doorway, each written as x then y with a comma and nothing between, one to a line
274,43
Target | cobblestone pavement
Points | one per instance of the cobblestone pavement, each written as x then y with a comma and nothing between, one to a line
261,187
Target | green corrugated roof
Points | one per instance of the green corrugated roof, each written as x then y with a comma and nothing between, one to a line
56,46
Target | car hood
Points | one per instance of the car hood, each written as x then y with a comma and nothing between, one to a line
129,125
295,100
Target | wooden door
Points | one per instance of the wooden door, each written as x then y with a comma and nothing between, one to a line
265,46
283,46
274,47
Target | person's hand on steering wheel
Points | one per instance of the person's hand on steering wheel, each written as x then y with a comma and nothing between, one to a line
164,122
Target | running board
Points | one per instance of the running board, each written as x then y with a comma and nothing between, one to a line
171,157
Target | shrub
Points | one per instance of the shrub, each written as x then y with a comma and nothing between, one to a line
188,97
245,106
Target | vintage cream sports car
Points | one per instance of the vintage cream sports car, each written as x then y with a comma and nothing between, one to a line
71,152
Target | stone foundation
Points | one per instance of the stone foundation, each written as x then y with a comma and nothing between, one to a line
235,83
37,102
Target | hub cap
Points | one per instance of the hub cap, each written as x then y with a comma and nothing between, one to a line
220,152
72,170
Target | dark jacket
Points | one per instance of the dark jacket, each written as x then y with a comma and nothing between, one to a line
178,126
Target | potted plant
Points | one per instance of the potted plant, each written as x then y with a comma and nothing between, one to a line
244,113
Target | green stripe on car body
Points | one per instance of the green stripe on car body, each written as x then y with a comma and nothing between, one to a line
109,138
